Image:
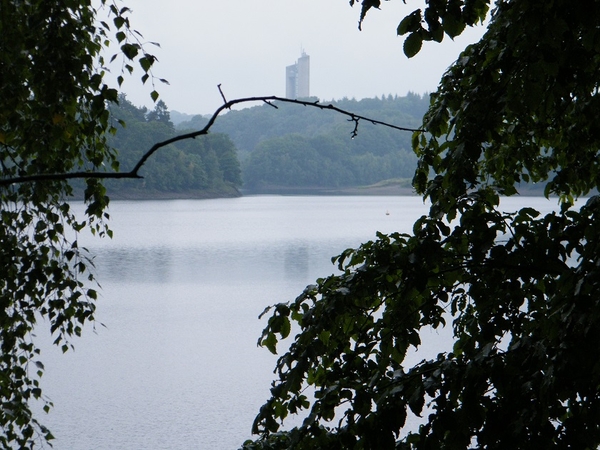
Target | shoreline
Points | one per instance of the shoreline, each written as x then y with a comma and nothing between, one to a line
379,189
389,190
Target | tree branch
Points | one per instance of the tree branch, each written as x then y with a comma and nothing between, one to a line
134,173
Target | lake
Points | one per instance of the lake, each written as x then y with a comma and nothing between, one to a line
175,364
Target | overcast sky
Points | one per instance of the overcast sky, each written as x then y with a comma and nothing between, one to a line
245,45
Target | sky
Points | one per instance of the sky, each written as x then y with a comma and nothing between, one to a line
245,45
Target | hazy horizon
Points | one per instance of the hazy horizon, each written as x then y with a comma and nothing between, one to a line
245,47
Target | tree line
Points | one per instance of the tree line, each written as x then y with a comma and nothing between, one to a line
207,166
278,147
289,146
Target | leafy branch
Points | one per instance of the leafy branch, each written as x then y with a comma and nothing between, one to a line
134,173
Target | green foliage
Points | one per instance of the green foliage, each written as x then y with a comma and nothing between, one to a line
520,290
53,119
207,165
322,161
440,17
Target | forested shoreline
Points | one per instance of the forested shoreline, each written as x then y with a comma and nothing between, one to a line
206,167
285,150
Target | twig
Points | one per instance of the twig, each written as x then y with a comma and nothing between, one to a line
354,133
221,92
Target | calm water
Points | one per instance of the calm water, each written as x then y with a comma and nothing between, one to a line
176,365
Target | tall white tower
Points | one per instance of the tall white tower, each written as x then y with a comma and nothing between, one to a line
297,78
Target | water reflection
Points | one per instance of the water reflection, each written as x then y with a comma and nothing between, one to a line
290,261
183,284
295,262
131,264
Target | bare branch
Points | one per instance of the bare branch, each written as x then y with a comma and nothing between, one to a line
134,173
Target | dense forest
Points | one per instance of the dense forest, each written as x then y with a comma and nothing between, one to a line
202,167
295,146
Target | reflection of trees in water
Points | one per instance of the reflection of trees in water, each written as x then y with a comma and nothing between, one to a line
295,262
162,264
292,260
150,264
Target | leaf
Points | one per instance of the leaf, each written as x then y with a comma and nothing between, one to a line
285,327
453,26
437,33
412,44
270,342
130,50
154,95
145,63
119,22
410,23
366,6
416,401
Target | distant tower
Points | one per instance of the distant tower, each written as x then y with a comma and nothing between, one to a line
297,78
